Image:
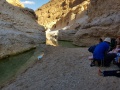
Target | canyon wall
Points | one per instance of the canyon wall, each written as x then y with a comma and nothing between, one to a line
57,11
103,21
82,21
19,30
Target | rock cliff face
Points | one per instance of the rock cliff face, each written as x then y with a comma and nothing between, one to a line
90,19
103,21
19,30
57,10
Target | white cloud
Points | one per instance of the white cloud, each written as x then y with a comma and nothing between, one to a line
28,2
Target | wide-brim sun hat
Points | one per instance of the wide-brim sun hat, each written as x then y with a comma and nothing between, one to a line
107,39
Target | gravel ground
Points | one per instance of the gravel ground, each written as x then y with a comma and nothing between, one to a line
64,69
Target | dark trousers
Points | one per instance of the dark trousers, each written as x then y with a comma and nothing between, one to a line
112,73
99,62
107,60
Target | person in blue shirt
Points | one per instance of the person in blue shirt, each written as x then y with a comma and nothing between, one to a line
91,48
100,51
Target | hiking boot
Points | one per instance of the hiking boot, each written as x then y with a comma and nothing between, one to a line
92,64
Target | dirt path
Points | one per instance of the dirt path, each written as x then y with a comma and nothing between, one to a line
64,69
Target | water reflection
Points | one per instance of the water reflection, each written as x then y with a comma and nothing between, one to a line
52,42
61,43
52,39
67,44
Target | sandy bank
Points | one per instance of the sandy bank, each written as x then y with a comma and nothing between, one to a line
64,69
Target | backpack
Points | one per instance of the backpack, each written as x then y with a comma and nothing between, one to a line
92,48
112,44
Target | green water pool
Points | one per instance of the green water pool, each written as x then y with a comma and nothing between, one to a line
67,44
14,65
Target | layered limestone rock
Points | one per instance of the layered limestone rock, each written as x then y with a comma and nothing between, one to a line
66,14
75,16
57,10
19,30
88,19
103,21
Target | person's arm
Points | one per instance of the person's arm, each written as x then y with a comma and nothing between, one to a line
106,50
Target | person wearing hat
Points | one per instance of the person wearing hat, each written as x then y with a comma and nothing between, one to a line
100,51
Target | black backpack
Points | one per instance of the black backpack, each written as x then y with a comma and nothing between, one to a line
113,43
92,48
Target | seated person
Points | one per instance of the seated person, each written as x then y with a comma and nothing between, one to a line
112,56
117,61
92,48
100,51
113,44
116,50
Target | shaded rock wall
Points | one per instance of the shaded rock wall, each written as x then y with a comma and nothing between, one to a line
19,30
103,21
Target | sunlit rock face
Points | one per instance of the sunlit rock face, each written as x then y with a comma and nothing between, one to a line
51,37
90,19
62,12
19,30
15,3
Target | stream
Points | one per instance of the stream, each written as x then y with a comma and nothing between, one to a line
14,65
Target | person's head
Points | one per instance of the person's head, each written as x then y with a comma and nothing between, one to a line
100,40
108,40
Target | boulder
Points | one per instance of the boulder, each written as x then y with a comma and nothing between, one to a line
19,30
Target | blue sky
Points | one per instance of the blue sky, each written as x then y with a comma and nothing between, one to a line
34,4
